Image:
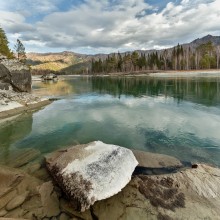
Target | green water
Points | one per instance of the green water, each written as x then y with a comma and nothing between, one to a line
174,116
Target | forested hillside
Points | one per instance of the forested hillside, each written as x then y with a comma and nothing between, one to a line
202,53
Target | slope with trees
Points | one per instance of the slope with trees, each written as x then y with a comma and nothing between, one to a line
180,57
4,49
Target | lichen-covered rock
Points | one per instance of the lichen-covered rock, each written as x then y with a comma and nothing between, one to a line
92,172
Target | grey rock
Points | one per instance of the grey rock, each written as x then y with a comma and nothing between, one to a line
17,201
16,74
91,172
5,86
152,160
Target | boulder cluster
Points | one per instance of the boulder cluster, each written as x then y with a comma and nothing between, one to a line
27,191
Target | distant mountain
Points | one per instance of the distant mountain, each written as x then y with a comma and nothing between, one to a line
55,61
72,63
214,39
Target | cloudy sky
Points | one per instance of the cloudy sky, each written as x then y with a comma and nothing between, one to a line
93,26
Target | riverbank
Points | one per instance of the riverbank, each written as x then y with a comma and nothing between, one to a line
186,73
27,191
13,103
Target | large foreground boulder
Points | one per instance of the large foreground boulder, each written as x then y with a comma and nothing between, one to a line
91,172
15,74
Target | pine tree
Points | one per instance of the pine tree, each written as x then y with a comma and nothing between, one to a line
4,49
20,50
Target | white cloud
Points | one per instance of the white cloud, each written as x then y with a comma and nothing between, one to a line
114,25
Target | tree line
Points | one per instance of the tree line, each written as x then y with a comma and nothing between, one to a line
19,49
204,56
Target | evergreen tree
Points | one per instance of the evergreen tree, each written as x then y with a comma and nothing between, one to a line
20,50
4,49
134,59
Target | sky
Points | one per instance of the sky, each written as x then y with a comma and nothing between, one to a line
92,26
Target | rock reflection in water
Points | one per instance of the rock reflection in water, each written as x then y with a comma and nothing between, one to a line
53,88
11,132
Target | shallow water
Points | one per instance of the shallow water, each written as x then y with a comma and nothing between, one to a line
178,116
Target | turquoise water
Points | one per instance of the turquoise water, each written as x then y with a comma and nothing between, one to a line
174,116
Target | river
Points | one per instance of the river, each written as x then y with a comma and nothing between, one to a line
173,115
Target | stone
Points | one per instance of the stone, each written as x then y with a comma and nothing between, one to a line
66,207
49,200
4,72
92,172
9,179
15,213
3,212
33,207
17,201
189,194
16,74
64,216
42,174
32,167
194,166
7,198
5,86
152,160
22,156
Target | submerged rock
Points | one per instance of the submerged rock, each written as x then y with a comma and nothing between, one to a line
21,157
153,160
91,172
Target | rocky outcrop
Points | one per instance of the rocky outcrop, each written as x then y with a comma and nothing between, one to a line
192,193
14,74
26,197
14,103
189,194
91,172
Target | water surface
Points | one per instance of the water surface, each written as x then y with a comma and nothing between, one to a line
172,115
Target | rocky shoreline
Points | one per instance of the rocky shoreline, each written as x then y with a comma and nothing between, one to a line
15,88
27,191
13,103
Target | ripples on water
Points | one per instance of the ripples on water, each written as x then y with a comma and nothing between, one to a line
174,116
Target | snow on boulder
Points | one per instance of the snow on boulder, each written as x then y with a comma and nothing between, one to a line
91,172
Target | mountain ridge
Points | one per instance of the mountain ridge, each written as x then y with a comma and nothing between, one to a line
71,62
